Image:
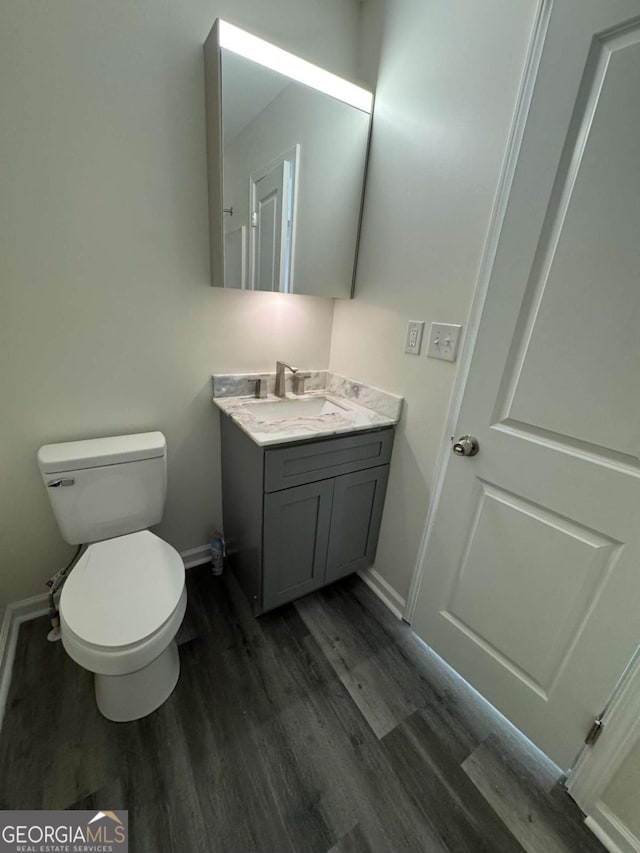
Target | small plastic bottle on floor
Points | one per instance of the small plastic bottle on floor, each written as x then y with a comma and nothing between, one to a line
217,553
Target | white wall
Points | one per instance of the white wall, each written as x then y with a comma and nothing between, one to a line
333,144
107,320
448,80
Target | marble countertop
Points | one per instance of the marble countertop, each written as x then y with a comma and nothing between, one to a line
355,407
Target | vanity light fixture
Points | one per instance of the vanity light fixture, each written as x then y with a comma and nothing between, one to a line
257,50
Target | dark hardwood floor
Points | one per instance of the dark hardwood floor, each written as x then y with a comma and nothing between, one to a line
323,727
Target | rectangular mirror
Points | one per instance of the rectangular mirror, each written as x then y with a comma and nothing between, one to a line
287,148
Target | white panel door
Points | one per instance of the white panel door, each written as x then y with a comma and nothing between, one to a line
531,584
271,224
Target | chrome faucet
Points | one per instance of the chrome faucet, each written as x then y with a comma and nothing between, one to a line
280,389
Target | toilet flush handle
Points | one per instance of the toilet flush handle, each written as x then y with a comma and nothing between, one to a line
55,484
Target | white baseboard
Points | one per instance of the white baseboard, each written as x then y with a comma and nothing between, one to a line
385,592
196,556
611,831
14,615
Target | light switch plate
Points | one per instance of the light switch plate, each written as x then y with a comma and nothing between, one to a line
443,341
413,340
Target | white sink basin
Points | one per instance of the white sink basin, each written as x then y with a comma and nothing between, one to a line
287,409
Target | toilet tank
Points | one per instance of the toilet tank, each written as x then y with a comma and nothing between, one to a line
105,487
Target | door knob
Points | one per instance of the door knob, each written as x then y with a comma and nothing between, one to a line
466,445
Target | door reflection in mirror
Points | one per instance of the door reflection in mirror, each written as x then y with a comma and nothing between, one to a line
272,209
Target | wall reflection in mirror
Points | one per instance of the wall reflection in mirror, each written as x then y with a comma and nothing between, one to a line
293,163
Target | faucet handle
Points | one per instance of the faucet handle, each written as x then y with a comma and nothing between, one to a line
260,386
298,382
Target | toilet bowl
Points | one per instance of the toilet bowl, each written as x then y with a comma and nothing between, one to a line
124,599
120,610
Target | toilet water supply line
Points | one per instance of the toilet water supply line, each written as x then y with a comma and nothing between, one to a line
55,583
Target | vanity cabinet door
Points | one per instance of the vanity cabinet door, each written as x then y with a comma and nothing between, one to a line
295,540
358,500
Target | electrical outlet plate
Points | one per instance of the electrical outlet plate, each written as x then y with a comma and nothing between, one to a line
413,340
443,341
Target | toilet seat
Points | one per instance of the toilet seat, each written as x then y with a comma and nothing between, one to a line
122,603
122,590
123,660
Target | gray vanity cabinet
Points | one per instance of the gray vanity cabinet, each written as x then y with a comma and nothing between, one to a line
358,501
296,538
301,515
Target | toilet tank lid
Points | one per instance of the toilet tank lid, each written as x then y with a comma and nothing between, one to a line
95,452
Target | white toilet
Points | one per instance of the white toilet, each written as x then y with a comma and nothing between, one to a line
123,601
